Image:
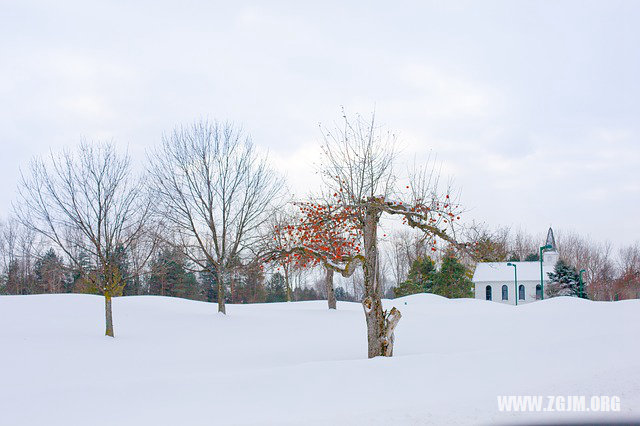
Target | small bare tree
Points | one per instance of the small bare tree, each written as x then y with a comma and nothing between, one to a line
524,245
86,202
9,237
489,245
281,237
405,247
217,192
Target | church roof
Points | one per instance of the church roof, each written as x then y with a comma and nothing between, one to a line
500,271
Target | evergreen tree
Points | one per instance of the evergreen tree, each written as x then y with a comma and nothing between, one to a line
121,259
452,280
250,287
49,273
420,278
276,289
532,257
305,293
210,285
343,295
170,277
565,281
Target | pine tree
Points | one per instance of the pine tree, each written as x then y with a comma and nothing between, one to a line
49,273
343,295
276,288
452,280
532,257
565,281
513,257
169,276
305,293
419,279
209,281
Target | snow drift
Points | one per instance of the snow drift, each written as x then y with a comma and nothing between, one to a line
176,361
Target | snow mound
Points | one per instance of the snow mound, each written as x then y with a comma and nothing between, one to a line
177,361
422,298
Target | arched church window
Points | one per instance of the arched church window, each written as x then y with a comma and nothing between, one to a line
488,292
521,292
505,292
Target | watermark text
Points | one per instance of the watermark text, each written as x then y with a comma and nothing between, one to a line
558,403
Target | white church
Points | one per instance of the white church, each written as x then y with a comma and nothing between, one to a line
497,280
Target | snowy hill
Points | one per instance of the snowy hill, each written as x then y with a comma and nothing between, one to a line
178,362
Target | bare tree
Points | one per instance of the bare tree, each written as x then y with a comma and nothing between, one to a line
627,286
629,262
523,245
299,278
489,245
595,258
357,285
278,228
19,250
405,247
86,201
217,192
9,251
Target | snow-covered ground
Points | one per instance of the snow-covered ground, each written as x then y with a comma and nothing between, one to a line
178,362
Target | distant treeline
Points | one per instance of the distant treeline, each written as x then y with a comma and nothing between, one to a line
25,271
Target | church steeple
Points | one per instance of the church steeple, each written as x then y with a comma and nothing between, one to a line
550,256
551,241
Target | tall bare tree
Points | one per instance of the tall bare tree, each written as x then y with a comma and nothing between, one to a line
595,258
87,202
629,262
217,192
9,237
18,253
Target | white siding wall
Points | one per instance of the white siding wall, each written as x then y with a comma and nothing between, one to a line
496,289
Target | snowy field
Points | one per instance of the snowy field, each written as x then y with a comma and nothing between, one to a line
178,362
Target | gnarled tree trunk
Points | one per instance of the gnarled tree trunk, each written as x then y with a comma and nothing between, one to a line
328,282
380,324
108,315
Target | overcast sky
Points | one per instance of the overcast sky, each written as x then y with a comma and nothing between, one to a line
532,107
